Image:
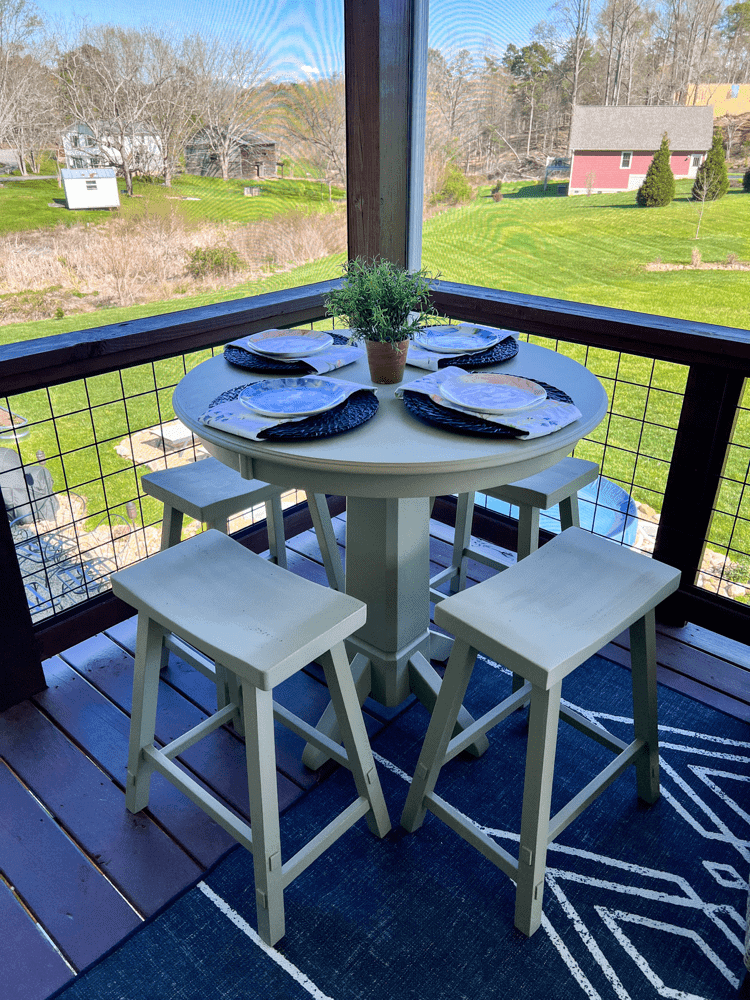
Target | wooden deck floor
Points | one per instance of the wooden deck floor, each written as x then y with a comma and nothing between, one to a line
77,872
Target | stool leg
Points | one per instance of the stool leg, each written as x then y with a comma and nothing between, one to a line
645,718
275,524
143,715
569,515
528,530
541,746
329,550
345,701
171,534
462,539
442,723
260,751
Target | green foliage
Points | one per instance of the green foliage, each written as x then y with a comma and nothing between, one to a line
658,186
213,261
746,180
376,299
712,181
455,187
497,187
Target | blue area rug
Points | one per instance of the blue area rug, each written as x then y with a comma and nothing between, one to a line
640,903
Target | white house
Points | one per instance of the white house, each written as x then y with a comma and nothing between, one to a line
103,144
91,188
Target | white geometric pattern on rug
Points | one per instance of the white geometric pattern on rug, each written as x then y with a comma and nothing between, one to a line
687,786
685,797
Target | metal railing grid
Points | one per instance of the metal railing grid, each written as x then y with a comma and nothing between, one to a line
71,478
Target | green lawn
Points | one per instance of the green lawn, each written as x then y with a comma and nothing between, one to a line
587,249
593,249
25,205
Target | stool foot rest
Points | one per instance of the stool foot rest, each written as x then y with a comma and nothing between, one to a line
465,827
598,785
323,840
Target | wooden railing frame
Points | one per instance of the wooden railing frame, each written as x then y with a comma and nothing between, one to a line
718,359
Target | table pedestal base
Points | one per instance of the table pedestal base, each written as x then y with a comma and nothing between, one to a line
423,681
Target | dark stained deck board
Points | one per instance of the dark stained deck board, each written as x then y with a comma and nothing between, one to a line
143,862
86,916
31,967
218,760
96,724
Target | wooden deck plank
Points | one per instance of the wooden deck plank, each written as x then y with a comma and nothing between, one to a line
97,725
684,683
85,916
143,862
31,967
219,759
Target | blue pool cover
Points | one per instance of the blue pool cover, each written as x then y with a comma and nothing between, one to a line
605,508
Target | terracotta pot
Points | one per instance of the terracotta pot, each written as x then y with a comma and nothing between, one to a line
387,360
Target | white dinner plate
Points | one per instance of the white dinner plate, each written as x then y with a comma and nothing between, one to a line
492,392
289,344
292,396
450,340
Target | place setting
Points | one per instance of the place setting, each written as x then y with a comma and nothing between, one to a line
495,404
462,345
293,352
292,407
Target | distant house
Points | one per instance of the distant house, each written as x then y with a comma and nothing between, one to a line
100,145
724,98
90,187
612,147
251,155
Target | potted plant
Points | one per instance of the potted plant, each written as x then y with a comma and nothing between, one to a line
384,306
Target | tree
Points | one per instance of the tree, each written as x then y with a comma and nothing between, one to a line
658,185
172,112
313,115
711,181
19,23
575,24
105,85
531,67
229,101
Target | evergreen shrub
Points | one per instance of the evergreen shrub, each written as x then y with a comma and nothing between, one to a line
658,185
746,180
712,180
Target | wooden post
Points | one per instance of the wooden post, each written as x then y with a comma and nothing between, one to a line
705,428
386,50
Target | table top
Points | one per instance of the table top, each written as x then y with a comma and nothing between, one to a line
395,454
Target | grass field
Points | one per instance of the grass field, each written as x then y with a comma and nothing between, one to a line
586,249
25,205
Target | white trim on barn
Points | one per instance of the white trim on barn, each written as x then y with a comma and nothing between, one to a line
91,188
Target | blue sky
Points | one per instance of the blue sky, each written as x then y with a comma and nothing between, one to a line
305,37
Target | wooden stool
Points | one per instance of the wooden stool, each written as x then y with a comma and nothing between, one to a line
260,624
211,492
557,485
532,621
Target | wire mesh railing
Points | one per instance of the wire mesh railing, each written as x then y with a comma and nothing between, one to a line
70,476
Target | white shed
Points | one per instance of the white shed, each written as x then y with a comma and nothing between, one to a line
91,188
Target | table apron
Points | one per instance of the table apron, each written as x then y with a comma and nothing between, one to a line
351,483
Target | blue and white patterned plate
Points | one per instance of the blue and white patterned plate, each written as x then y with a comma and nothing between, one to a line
292,396
289,344
492,392
464,339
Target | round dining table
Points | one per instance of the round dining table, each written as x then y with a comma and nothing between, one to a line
388,469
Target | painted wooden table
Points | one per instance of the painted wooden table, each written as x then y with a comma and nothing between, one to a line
388,469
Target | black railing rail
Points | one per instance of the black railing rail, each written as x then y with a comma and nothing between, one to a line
718,359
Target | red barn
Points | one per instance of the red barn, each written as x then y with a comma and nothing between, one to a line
612,147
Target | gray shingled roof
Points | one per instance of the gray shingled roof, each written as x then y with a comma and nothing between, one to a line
641,127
